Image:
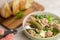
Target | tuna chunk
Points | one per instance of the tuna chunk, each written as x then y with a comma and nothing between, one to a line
58,27
44,21
49,33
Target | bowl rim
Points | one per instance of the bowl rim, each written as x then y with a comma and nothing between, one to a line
35,13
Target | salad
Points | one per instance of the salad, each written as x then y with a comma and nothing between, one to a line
43,26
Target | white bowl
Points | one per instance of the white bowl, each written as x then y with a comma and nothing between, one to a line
36,38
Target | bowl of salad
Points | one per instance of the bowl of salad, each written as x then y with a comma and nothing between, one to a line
42,26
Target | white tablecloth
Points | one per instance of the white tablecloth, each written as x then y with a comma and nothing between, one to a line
50,6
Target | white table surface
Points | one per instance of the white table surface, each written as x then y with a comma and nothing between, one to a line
50,6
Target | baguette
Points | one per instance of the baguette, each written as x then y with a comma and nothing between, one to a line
15,6
11,4
25,4
22,4
28,3
6,11
13,23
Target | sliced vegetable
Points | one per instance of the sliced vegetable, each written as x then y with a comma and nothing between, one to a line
33,22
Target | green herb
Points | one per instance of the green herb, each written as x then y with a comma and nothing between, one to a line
48,28
35,16
45,29
42,16
50,18
55,31
51,28
20,14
